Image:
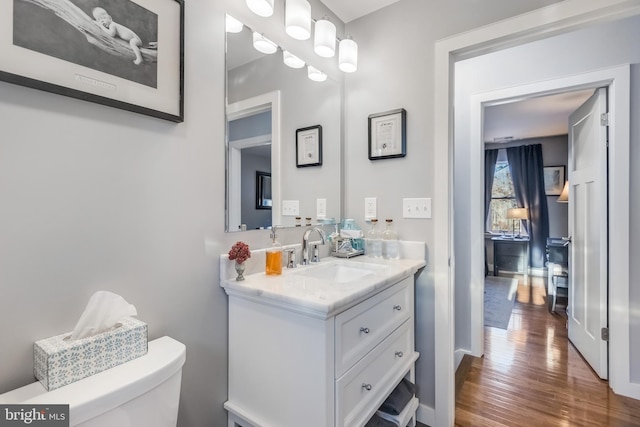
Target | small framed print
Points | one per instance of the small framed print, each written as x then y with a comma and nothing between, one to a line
387,134
309,146
553,180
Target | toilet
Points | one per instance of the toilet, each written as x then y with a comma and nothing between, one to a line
142,392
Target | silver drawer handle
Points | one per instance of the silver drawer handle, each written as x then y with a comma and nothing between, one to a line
366,386
399,353
397,307
365,330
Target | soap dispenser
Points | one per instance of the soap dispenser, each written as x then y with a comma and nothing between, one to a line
274,255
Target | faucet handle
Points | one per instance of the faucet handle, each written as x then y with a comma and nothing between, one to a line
315,252
291,258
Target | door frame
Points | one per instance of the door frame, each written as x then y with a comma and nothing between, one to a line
555,19
617,80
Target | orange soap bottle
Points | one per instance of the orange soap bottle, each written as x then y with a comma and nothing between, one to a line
274,256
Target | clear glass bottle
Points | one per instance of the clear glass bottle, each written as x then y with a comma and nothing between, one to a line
274,256
373,240
390,245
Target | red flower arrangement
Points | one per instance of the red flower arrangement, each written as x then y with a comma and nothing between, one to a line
239,252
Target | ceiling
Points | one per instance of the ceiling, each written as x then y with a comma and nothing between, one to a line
348,10
531,118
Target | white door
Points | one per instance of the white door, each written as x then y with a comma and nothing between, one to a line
587,309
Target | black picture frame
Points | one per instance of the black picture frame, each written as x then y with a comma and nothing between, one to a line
263,190
554,178
309,146
99,67
388,134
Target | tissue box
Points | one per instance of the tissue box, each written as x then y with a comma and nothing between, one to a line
58,361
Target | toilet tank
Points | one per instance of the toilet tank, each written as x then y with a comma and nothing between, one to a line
142,392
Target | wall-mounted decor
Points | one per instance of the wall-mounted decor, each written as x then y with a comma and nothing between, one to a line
309,146
553,180
387,134
121,53
263,190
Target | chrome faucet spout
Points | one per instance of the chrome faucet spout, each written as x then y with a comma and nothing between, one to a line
305,243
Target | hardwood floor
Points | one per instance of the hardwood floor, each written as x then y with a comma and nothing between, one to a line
532,376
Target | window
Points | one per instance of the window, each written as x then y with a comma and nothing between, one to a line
503,197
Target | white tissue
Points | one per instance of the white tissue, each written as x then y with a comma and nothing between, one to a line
103,311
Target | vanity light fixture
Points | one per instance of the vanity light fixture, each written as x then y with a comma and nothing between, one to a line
297,17
263,44
324,38
291,60
262,8
316,75
233,25
348,55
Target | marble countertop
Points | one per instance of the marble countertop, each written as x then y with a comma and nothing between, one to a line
295,290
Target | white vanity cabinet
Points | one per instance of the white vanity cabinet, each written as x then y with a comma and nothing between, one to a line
292,364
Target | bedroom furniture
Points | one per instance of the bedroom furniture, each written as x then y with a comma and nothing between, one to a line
511,254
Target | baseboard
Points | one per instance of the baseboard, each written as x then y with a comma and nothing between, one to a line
426,415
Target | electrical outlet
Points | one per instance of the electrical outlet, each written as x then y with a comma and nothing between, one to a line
416,208
291,207
321,208
370,208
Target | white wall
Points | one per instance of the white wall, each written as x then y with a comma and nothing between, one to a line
584,50
395,70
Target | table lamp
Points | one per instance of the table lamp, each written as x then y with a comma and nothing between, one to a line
517,214
564,196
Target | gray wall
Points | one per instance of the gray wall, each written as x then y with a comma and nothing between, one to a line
252,217
395,70
559,56
248,127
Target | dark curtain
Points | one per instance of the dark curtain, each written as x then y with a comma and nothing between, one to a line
527,172
490,159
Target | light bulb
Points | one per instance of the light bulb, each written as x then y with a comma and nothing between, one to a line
316,75
298,19
348,56
324,38
263,44
291,60
262,8
233,25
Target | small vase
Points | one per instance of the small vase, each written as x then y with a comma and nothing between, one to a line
240,271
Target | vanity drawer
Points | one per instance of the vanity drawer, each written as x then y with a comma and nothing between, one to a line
362,327
373,378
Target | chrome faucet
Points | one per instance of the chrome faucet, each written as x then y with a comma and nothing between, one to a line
305,245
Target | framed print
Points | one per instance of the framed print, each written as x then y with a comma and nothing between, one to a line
309,146
263,190
553,180
126,54
387,134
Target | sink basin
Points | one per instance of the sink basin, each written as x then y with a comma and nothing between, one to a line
340,271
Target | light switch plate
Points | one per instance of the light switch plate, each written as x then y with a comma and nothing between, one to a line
370,208
321,208
416,208
291,207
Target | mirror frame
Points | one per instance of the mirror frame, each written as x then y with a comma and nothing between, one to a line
238,110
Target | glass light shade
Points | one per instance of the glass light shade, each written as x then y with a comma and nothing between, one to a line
263,44
316,75
324,38
291,60
233,25
348,56
297,19
262,8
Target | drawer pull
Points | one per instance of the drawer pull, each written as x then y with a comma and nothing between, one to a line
399,353
397,307
365,330
366,386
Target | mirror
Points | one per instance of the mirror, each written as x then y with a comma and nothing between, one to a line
267,103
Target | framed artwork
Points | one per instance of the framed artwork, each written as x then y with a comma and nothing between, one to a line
387,134
263,190
309,146
553,180
126,54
